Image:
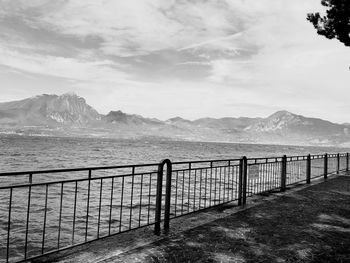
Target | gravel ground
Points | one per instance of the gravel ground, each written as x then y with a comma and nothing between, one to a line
309,225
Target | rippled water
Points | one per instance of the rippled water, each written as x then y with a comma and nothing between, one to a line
112,208
36,153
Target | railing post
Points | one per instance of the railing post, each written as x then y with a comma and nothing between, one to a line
240,181
159,199
338,163
244,181
347,162
283,173
308,169
325,171
167,194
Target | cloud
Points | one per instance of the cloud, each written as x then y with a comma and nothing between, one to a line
70,68
135,27
262,52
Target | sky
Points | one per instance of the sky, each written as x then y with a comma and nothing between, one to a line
194,58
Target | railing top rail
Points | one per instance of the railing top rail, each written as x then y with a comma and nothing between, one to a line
206,161
77,169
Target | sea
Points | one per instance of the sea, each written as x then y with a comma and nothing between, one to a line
53,215
26,153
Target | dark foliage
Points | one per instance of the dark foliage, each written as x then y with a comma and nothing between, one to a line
336,22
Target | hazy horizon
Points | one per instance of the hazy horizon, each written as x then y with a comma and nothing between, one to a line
175,58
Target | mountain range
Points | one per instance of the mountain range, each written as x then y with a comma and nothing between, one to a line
70,115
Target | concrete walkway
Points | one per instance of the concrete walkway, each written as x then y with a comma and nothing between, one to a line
311,224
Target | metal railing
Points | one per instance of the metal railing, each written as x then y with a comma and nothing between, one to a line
42,212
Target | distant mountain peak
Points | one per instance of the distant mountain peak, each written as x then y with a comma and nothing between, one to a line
47,109
69,94
177,119
281,113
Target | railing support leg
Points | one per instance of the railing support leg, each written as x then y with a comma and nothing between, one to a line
325,171
347,162
308,169
159,199
167,194
244,181
338,163
283,173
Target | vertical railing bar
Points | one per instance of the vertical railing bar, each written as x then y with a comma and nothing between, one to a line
74,210
159,199
99,210
28,212
131,195
149,197
215,182
220,178
264,171
283,173
121,205
274,169
183,192
268,166
228,181
308,169
244,192
262,181
338,163
230,192
176,189
291,171
269,174
140,210
225,184
88,205
211,183
200,188
9,227
189,186
45,213
194,192
205,189
60,218
240,181
167,195
275,174
111,207
224,188
234,182
264,176
256,183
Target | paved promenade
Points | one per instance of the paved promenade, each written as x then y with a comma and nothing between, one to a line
310,224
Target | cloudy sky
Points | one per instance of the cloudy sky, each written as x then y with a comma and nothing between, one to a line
162,59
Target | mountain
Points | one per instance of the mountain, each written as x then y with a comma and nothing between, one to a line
70,115
119,117
50,110
283,125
